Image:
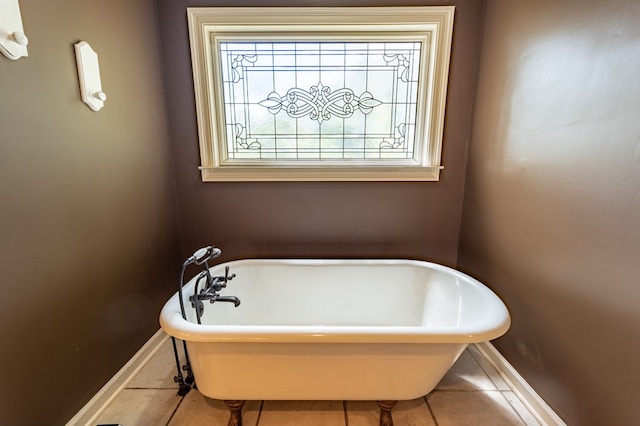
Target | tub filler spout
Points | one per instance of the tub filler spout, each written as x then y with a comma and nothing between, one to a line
231,299
212,297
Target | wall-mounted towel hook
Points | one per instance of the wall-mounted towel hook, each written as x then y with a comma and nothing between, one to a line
13,41
89,76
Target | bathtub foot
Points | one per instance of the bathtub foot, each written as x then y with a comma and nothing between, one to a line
235,409
385,412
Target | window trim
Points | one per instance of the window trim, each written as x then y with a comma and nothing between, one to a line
205,22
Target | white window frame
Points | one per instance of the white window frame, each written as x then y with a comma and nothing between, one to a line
435,24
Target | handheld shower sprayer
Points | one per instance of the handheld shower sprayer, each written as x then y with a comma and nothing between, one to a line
203,255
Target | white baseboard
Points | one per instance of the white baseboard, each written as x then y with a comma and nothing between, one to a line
538,407
90,412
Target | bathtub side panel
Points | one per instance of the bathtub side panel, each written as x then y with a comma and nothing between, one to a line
298,371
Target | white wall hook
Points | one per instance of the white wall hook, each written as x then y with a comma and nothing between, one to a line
13,41
100,96
89,76
20,38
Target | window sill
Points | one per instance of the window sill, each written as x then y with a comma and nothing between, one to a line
319,174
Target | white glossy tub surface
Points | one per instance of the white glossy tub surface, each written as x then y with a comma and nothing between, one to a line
334,329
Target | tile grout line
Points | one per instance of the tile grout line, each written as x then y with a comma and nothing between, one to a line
92,410
499,391
512,407
150,388
524,422
491,378
175,410
433,416
467,390
259,412
532,402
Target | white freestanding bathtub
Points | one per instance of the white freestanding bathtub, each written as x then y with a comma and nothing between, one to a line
334,329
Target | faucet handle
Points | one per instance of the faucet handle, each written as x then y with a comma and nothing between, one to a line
228,277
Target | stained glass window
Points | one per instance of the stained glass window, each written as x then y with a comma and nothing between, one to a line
320,93
321,100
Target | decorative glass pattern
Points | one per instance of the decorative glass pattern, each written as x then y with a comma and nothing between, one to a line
320,100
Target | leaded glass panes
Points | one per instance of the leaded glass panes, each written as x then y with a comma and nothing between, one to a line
320,100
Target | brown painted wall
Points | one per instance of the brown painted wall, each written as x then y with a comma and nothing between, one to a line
551,216
88,217
302,219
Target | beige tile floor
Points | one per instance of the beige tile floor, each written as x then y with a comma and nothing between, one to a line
472,393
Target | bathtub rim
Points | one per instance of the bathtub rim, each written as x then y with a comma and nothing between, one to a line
172,322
